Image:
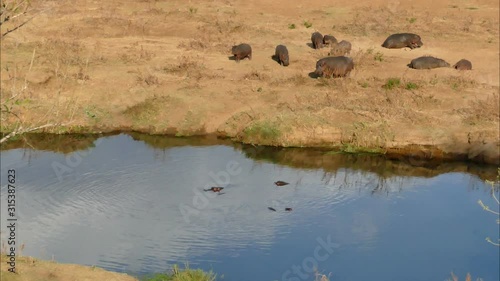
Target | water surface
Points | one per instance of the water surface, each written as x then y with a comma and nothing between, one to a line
135,204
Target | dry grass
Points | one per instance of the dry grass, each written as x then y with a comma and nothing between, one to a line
30,269
154,65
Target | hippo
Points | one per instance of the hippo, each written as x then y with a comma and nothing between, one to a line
340,49
242,51
427,62
317,40
329,39
403,40
338,66
214,189
282,55
463,64
280,183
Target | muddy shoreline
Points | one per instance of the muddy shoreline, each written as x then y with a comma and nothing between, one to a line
421,155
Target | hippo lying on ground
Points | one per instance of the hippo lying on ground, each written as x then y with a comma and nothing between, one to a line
463,64
317,40
334,66
281,55
329,39
242,51
340,49
403,40
427,62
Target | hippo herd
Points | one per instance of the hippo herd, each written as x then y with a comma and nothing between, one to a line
337,64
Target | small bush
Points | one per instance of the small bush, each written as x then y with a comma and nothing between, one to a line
378,56
263,131
364,84
411,86
183,275
291,26
411,20
308,24
392,83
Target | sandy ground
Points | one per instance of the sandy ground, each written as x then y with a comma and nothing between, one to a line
30,269
164,67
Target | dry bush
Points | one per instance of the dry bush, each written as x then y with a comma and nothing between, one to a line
370,20
296,80
147,78
227,26
483,110
256,75
193,44
185,64
136,53
456,82
60,51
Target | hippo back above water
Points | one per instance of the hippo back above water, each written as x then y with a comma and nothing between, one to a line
242,51
403,40
339,66
427,62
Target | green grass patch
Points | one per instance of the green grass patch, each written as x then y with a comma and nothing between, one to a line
186,274
392,83
378,56
411,86
308,24
143,111
411,20
364,84
263,131
352,149
292,26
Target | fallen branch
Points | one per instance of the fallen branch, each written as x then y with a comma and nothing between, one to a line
20,131
17,27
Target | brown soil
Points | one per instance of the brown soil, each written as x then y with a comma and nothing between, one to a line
30,269
163,67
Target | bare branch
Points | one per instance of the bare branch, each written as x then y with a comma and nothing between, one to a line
15,28
20,131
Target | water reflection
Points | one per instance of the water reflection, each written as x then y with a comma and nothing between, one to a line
302,158
119,206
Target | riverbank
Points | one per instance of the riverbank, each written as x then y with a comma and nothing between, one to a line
31,269
162,68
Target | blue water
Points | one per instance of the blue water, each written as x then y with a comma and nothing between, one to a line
118,205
